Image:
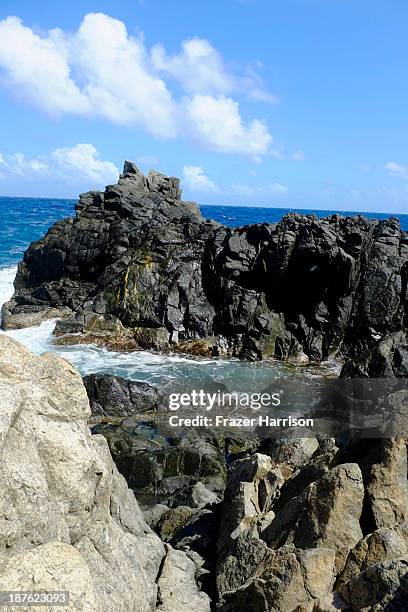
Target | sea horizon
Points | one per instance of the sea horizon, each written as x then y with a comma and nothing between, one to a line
329,211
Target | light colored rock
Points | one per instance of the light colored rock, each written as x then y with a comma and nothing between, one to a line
382,545
292,451
29,319
388,488
380,585
153,514
253,483
325,514
201,496
60,491
245,554
177,589
54,566
287,579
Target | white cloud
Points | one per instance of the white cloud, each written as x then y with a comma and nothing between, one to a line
396,169
196,180
242,190
277,188
83,160
198,67
262,95
70,164
216,124
102,71
21,165
38,70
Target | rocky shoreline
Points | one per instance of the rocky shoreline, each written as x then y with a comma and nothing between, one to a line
293,524
139,268
99,501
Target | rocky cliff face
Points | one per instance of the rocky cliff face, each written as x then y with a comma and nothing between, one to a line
138,267
68,521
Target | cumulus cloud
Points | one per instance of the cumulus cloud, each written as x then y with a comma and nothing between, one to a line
39,71
198,68
397,170
102,71
196,180
217,124
70,164
83,159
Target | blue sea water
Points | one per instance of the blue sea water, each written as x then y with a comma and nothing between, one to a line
26,219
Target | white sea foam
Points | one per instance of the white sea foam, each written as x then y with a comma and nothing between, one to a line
156,368
139,365
6,283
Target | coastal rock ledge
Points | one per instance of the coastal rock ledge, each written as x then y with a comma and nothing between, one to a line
68,521
139,268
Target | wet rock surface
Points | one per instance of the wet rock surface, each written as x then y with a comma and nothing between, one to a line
139,267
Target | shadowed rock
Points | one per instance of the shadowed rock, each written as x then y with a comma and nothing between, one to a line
139,267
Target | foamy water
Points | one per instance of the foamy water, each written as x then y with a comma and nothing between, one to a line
156,368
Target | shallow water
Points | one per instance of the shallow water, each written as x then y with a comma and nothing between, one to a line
27,219
164,369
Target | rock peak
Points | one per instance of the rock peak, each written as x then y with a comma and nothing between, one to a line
131,168
167,186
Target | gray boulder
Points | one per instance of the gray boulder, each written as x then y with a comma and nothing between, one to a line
67,518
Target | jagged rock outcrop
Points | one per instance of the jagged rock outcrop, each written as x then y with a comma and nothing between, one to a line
67,518
138,267
304,546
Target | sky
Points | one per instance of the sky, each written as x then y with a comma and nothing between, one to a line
280,103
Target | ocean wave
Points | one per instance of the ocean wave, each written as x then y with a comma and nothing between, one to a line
165,369
156,368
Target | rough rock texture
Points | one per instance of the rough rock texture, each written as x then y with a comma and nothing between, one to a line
137,266
115,396
305,524
294,540
326,513
67,518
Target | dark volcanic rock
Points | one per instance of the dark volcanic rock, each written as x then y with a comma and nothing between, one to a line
137,264
115,396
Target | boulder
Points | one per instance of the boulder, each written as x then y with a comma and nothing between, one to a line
114,396
387,485
382,545
67,518
383,586
287,579
326,514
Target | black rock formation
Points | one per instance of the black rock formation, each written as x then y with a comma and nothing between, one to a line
138,267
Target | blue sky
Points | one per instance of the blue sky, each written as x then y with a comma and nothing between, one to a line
288,103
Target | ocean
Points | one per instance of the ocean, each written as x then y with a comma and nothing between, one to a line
26,219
